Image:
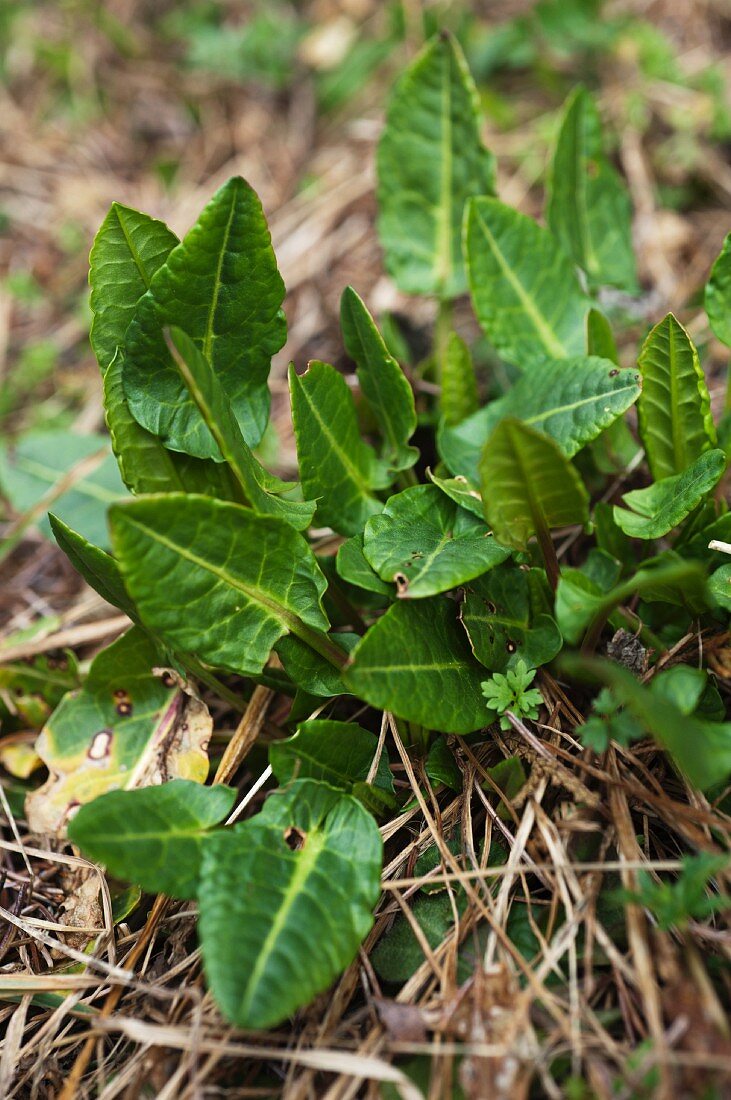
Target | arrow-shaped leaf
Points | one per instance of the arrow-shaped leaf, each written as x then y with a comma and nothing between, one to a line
222,287
430,161
654,511
674,408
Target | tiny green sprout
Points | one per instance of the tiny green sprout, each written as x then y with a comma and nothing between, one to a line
512,692
608,722
690,897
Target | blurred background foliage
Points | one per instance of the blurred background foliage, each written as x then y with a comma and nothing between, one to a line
155,103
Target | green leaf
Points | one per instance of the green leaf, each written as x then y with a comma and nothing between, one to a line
581,605
98,568
126,727
654,511
426,544
259,488
588,209
718,294
459,397
128,249
441,766
309,670
244,580
336,466
353,567
382,382
571,400
338,753
285,901
461,491
524,288
222,287
702,750
415,662
599,337
674,408
504,624
145,465
42,463
528,485
719,585
430,161
153,837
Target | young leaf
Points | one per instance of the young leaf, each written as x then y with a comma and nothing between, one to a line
153,836
461,491
98,568
529,487
459,397
336,466
571,400
524,288
674,407
309,670
382,382
654,511
125,728
426,544
414,661
145,465
46,463
502,625
127,251
599,337
430,161
244,580
588,209
338,753
719,585
581,606
702,750
718,294
511,691
285,900
354,568
258,487
222,287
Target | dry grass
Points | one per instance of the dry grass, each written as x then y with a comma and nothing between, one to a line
619,1002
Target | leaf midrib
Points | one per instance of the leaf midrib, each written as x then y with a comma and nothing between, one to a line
546,333
305,864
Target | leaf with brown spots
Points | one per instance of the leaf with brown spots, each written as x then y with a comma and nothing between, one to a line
126,728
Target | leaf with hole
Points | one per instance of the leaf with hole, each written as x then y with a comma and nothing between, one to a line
285,900
505,622
222,287
430,161
126,727
426,544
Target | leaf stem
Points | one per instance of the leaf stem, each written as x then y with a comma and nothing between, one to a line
442,331
321,643
548,550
